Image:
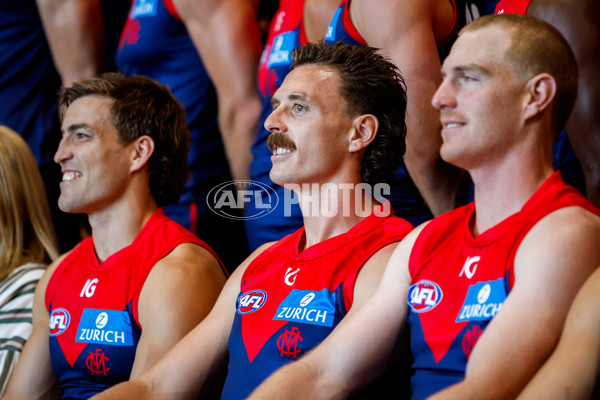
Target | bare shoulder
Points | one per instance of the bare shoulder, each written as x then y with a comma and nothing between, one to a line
568,224
256,253
561,248
370,275
196,8
367,16
187,264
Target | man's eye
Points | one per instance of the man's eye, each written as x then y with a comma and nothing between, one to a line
299,108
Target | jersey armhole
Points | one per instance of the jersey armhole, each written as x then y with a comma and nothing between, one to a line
349,26
453,28
350,284
172,10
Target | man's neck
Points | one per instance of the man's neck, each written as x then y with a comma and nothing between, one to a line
115,227
330,213
502,192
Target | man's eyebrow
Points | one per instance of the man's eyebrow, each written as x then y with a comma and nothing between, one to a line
469,68
298,96
291,97
74,127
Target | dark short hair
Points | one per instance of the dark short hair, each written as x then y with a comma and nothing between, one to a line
370,84
143,106
537,47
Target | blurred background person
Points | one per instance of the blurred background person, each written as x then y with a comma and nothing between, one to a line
295,23
577,148
27,244
207,52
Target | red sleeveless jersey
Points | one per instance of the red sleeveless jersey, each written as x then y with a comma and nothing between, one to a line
94,328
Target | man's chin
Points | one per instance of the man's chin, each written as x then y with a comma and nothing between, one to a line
69,208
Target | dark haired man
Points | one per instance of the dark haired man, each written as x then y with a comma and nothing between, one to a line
107,310
484,289
336,127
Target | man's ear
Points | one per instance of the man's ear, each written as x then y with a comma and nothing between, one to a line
143,147
364,129
541,91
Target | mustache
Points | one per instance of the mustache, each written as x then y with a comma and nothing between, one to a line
277,139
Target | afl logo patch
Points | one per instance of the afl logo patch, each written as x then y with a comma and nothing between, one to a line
59,321
251,301
424,296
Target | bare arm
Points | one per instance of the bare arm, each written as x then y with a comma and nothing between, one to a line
369,277
579,22
552,263
410,42
34,376
358,349
75,33
179,292
198,360
574,368
226,35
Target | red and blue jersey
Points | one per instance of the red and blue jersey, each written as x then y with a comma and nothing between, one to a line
459,282
289,301
94,327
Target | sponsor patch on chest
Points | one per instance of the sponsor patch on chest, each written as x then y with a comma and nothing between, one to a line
424,296
144,8
483,301
308,307
251,301
105,327
59,321
282,48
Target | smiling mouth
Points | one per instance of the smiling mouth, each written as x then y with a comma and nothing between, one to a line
450,123
281,150
70,176
280,144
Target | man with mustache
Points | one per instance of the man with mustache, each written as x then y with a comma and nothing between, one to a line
336,126
483,290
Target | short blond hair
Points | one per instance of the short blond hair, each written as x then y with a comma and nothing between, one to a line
537,47
26,230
